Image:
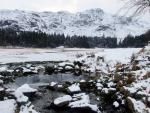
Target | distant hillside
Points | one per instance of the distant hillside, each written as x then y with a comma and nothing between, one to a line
94,22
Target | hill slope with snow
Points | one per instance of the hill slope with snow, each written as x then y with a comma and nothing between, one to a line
94,22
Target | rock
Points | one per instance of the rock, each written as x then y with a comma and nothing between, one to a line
137,106
58,87
69,68
82,81
1,77
83,110
117,77
81,102
62,101
140,95
119,85
52,86
135,68
116,104
148,101
29,71
28,65
3,68
20,98
1,82
2,93
78,64
131,79
128,91
40,69
18,71
74,88
66,66
99,86
130,105
49,69
27,91
88,86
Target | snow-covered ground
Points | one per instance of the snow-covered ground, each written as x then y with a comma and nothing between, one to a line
59,54
8,106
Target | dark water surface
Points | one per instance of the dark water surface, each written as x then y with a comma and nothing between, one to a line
34,80
46,97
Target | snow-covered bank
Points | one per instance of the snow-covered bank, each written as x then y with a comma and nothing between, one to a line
20,104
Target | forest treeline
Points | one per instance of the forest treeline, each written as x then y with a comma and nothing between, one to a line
9,37
135,41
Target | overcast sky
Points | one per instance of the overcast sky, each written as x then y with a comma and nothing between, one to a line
111,6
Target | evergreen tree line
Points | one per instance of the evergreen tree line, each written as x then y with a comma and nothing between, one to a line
135,41
9,37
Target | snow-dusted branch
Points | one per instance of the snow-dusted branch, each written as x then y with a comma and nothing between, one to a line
139,6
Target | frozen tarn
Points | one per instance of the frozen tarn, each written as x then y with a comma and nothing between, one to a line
30,54
8,106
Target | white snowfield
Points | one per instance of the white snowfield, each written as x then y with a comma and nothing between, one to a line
32,54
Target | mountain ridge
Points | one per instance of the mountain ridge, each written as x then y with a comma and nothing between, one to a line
92,22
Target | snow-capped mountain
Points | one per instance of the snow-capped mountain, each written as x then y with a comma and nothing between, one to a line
94,22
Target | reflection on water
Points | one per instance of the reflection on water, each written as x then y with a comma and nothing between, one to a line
41,79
